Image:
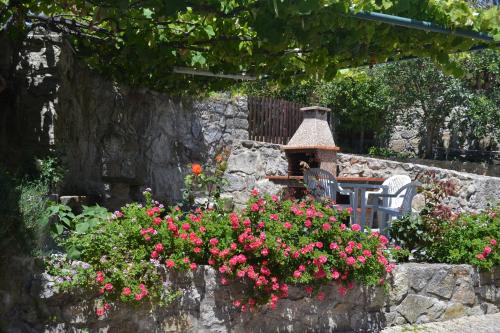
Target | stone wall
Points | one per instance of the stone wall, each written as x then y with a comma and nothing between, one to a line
249,164
418,293
474,192
251,161
28,95
118,140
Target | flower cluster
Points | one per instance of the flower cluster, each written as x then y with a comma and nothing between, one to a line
269,245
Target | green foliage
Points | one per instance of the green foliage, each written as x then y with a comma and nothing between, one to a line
51,172
387,153
63,219
471,239
271,244
141,42
439,235
205,181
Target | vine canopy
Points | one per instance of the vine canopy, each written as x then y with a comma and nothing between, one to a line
141,42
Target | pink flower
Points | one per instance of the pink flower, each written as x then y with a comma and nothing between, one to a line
332,219
493,242
126,291
480,256
355,227
254,192
297,274
361,259
100,312
138,297
322,259
302,268
310,212
186,260
197,250
213,241
319,245
320,296
159,247
247,223
487,250
211,261
350,261
233,246
348,249
154,254
264,252
349,210
287,225
157,221
335,274
254,207
203,230
342,290
193,266
274,217
383,239
367,253
334,246
308,289
186,226
224,281
397,247
223,269
274,198
237,303
308,223
327,227
342,227
241,273
261,225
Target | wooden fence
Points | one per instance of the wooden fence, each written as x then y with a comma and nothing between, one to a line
272,120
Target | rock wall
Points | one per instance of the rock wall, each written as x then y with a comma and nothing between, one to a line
28,95
473,192
251,161
118,140
249,164
418,293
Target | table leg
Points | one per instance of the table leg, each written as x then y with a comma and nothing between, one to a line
363,208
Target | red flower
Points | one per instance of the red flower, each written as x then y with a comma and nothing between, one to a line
108,286
196,169
126,291
100,312
493,242
193,266
350,261
326,227
170,263
159,247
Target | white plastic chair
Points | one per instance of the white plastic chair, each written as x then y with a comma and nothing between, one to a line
393,184
410,190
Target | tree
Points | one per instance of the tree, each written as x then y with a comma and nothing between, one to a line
423,94
142,41
359,101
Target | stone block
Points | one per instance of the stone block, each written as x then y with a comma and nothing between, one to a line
418,308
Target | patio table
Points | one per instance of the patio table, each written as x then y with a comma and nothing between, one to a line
359,199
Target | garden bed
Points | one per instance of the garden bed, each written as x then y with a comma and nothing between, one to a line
417,293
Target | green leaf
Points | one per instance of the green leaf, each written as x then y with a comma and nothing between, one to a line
82,227
209,30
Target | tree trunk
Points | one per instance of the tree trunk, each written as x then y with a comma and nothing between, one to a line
361,140
429,139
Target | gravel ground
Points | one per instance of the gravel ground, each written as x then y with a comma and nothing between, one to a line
473,324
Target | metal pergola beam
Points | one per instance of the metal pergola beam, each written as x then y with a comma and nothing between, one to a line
420,25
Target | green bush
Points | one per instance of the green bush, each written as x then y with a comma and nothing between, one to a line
269,245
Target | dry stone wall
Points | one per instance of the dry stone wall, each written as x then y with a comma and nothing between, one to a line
418,293
473,192
251,161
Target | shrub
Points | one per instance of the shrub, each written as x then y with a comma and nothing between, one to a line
269,245
439,234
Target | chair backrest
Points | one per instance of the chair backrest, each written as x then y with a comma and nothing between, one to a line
321,183
411,191
394,183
